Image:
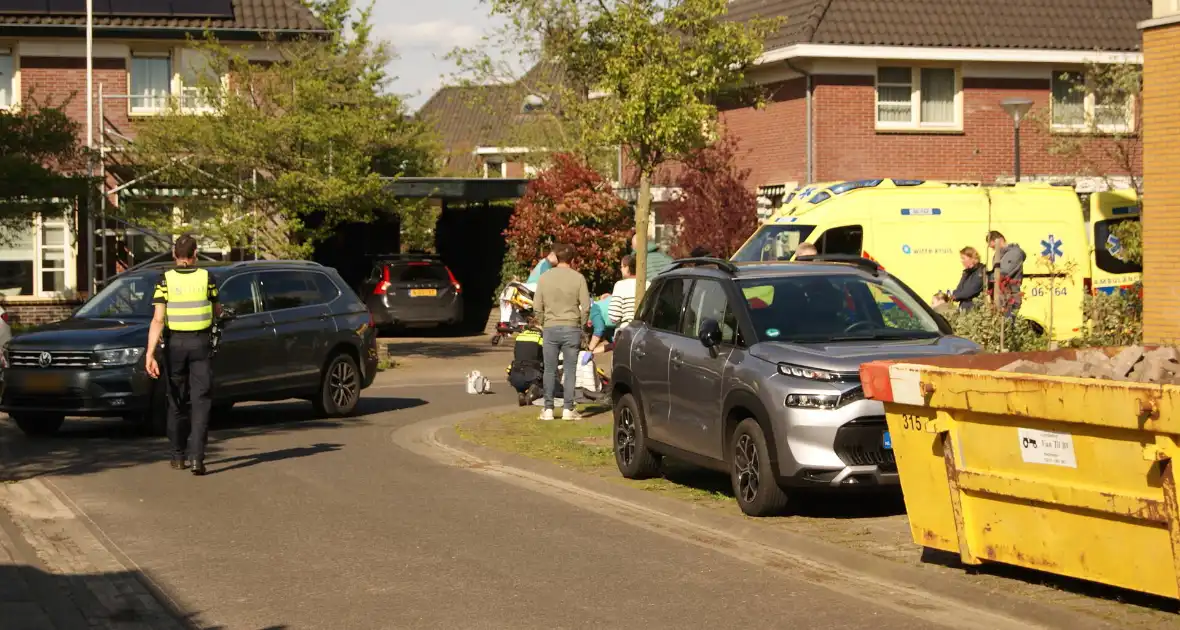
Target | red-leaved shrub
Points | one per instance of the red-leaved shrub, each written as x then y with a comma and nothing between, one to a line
569,202
714,209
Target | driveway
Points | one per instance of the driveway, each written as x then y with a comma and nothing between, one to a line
307,523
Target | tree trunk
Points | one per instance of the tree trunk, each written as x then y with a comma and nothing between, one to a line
642,214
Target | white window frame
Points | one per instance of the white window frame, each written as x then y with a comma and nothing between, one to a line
69,268
132,97
68,249
915,123
14,81
488,165
180,90
1090,123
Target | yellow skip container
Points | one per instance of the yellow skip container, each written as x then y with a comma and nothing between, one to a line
1066,475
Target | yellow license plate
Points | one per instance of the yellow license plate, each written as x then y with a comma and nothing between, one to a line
423,292
44,383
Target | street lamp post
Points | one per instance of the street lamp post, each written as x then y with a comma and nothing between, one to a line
91,241
1017,108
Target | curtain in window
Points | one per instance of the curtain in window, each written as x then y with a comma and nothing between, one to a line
151,79
938,96
7,73
1069,99
894,90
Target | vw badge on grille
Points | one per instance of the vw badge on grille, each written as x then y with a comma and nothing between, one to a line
44,359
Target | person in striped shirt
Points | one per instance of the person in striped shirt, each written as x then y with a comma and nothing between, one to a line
622,297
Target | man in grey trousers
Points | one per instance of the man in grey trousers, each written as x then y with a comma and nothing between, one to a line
561,304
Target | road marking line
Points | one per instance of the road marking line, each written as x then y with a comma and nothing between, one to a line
422,438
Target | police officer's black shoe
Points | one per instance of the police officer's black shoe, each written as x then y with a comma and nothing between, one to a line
178,462
198,469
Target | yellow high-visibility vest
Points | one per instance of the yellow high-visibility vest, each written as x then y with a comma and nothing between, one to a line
188,308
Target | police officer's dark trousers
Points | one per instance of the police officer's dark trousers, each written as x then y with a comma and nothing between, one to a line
191,381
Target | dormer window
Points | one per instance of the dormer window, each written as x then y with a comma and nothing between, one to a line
532,103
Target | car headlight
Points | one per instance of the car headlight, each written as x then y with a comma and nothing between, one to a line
812,374
824,401
813,401
117,357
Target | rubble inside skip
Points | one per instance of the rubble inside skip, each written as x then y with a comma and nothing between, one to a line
1133,364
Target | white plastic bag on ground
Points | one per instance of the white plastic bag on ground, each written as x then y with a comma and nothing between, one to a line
478,383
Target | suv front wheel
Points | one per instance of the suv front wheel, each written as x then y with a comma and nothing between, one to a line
634,459
754,485
340,387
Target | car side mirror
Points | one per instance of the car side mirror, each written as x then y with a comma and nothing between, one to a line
710,334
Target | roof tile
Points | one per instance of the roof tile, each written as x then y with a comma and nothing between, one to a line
254,15
1109,25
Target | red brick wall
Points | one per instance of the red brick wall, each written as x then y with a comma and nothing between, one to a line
34,312
58,80
1161,187
773,138
848,146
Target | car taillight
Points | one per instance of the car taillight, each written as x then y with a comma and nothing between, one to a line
383,285
454,282
4,317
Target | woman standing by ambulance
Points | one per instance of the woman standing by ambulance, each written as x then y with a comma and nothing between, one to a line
972,282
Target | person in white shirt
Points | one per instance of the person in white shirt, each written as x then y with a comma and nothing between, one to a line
622,297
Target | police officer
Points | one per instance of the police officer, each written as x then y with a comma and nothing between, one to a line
186,302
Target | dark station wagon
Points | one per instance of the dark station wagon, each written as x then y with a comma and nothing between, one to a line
292,329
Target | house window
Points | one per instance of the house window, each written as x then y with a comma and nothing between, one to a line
493,169
198,81
16,262
918,98
151,82
35,261
7,79
1080,103
53,257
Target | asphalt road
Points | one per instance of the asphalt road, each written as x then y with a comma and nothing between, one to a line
306,523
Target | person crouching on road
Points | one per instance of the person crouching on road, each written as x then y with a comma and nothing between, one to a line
185,303
562,305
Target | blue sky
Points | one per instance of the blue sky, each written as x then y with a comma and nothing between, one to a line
422,32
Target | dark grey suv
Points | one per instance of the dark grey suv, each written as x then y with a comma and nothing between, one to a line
292,329
753,370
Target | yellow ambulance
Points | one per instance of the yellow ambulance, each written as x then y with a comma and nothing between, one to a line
804,197
1107,209
916,233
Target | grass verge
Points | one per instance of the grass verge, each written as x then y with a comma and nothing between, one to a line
586,446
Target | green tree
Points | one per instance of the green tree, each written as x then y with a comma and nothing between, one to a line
296,147
40,160
1096,123
641,74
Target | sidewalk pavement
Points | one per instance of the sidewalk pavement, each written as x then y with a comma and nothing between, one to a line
56,575
31,598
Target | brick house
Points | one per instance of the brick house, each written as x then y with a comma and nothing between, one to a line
1161,185
141,61
857,89
494,131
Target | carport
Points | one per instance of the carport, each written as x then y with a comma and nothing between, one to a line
473,215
